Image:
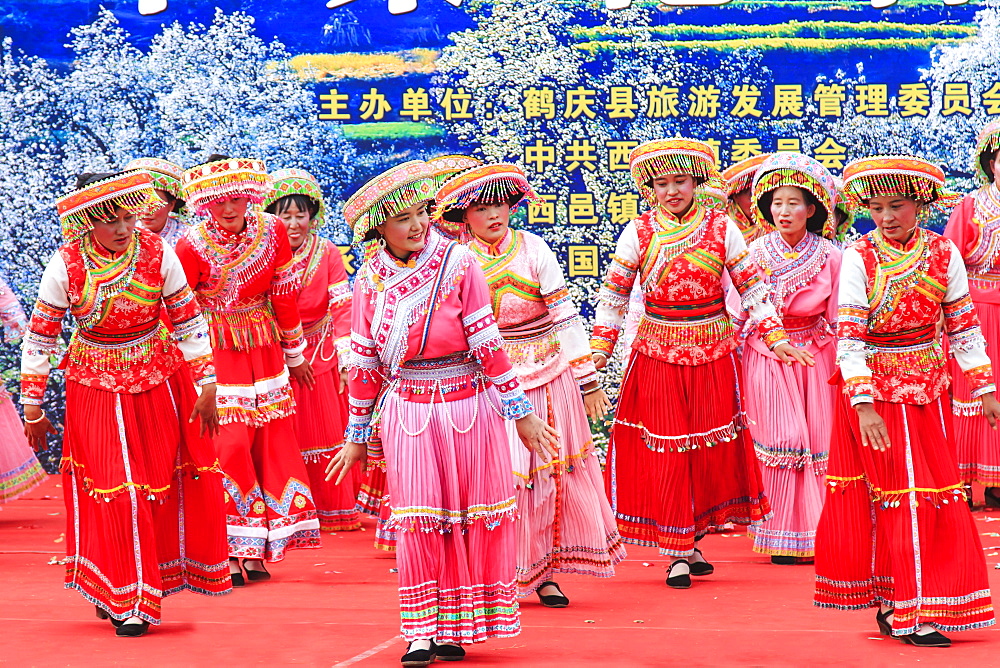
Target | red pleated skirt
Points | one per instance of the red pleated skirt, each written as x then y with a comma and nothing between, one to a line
680,461
320,420
269,506
896,529
143,492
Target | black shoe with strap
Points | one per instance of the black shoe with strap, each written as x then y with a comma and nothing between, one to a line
933,639
679,581
418,658
780,560
552,600
103,614
256,575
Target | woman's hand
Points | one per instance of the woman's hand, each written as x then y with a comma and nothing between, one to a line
991,408
343,380
205,409
600,360
37,430
538,437
595,401
303,373
873,431
789,354
345,459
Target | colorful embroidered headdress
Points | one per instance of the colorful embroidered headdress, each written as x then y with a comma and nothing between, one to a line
489,184
987,143
166,175
672,156
446,166
386,195
132,191
226,179
801,171
897,175
739,175
285,182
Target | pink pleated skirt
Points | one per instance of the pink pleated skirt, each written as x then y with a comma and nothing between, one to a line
566,524
978,445
452,498
790,411
20,471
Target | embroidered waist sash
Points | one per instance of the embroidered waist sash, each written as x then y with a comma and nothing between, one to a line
531,342
909,351
117,351
437,379
248,324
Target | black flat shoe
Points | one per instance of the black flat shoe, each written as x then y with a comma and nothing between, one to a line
238,580
448,652
132,630
991,497
700,567
679,581
103,614
783,561
552,600
933,639
418,658
256,575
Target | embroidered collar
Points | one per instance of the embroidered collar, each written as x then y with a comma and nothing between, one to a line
788,268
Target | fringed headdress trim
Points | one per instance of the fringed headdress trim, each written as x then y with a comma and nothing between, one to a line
488,184
897,175
801,171
446,166
285,182
386,195
672,156
132,191
166,175
226,179
987,141
739,176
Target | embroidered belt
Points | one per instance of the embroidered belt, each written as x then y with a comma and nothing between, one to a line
907,352
439,375
685,311
798,324
102,337
905,339
529,329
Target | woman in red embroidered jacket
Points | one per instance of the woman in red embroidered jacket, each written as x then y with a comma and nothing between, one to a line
240,266
140,477
679,461
896,531
430,386
324,302
975,228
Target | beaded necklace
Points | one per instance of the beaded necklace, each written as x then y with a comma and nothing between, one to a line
898,270
671,237
106,278
791,269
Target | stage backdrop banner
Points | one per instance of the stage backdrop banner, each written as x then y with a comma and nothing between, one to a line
564,88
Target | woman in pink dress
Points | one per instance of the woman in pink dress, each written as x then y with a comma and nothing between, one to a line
324,303
430,387
566,524
20,471
790,408
975,228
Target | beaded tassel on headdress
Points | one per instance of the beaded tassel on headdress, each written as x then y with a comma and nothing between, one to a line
897,175
384,196
226,179
285,182
444,167
673,156
987,141
132,191
487,184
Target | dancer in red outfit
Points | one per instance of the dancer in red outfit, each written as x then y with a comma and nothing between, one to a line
240,265
680,461
975,228
895,531
141,480
324,302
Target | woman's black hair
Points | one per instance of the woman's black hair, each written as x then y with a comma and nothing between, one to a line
814,223
986,159
303,202
87,178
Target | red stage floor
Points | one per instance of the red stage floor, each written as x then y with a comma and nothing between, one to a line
336,606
